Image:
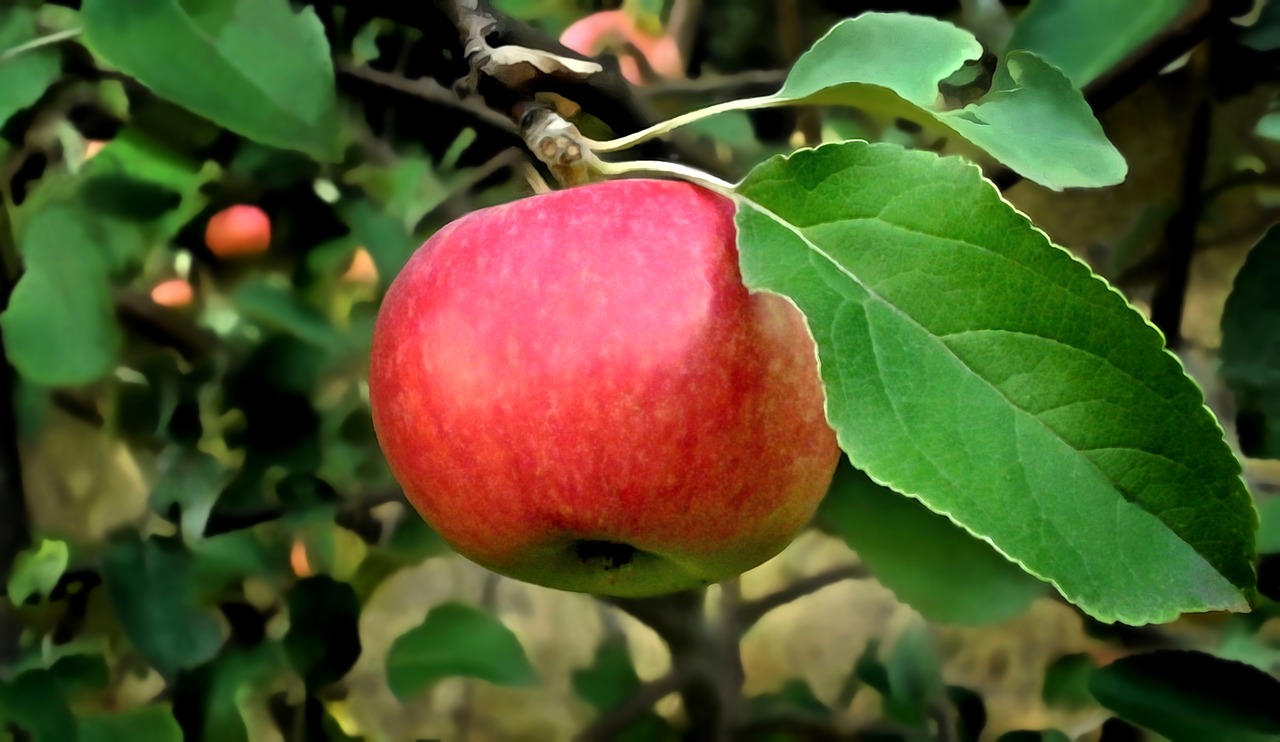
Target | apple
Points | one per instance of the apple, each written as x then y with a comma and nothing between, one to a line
238,231
362,270
174,292
611,30
576,390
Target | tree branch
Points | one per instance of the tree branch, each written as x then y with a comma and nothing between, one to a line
751,611
614,722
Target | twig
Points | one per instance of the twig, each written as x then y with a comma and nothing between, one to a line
163,325
610,725
752,611
1180,234
430,90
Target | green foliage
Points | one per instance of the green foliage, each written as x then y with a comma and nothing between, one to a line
929,563
324,629
36,571
1085,38
26,71
1032,119
609,682
150,724
982,407
456,640
1186,695
222,60
34,703
1251,348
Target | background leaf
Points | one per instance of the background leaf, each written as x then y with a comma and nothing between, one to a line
1070,439
25,75
36,570
60,327
1033,120
928,562
1251,348
34,703
323,642
456,640
253,66
149,724
1085,38
1191,696
609,682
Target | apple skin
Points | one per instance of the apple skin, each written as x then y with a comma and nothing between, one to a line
576,390
610,30
238,231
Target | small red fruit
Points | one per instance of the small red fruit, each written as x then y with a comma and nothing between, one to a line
617,32
238,231
577,390
173,293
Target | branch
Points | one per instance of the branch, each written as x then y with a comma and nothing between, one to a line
164,326
613,723
1180,234
753,610
430,90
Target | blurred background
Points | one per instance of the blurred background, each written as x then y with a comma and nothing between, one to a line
201,538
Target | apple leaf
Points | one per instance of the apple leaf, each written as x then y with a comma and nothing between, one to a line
147,724
456,640
60,328
255,67
1033,119
34,704
36,571
1027,735
609,682
1251,348
323,642
25,75
1188,695
928,562
973,365
149,584
1085,38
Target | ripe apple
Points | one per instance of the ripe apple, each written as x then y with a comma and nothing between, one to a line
611,31
576,390
238,231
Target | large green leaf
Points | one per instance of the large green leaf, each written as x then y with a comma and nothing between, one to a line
253,66
926,560
148,724
24,75
33,702
456,640
150,588
1085,38
1033,119
60,327
1190,696
1251,348
973,365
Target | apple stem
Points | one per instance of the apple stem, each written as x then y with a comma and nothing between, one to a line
683,172
671,124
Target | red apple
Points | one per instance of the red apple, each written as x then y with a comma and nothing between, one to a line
175,292
237,231
612,31
576,390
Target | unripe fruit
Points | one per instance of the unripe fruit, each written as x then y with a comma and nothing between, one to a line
238,231
577,390
175,293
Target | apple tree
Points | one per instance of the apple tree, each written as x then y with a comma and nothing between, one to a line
615,303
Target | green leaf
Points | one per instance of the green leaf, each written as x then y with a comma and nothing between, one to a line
385,236
276,306
456,640
926,560
24,75
1191,696
971,364
1269,525
609,682
1066,681
149,724
60,328
222,688
794,700
1085,38
34,703
1251,348
1033,120
253,66
37,570
191,480
81,672
323,642
150,586
1027,735
914,674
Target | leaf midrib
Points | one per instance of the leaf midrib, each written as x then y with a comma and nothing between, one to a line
934,338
